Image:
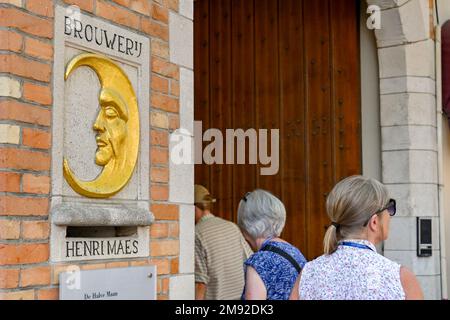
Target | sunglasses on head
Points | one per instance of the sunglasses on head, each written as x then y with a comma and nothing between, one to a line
391,207
245,196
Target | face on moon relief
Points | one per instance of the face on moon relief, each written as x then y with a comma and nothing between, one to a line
116,129
111,127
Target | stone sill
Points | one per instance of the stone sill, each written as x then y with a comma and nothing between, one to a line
88,215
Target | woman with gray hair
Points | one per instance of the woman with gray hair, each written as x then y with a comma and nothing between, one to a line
351,268
270,273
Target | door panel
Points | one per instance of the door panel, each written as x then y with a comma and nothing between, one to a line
290,65
243,91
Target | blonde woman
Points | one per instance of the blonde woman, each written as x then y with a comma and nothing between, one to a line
351,268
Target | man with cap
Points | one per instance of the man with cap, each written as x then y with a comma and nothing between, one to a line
220,252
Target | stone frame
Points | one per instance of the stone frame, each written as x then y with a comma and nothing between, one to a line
140,217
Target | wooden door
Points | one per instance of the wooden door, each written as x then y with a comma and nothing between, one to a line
291,65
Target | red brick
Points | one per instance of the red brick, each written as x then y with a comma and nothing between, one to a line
175,88
159,138
159,192
37,276
159,174
12,17
160,49
10,41
48,294
23,253
94,266
174,122
36,138
165,68
172,4
117,14
160,84
9,278
139,263
35,230
17,295
125,3
41,7
165,211
87,5
13,110
162,265
37,93
24,67
38,49
58,269
118,264
24,159
160,13
9,182
35,184
9,229
166,103
174,230
159,230
165,285
159,286
20,206
159,156
154,29
141,6
164,248
174,266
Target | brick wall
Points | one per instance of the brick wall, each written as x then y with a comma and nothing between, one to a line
26,54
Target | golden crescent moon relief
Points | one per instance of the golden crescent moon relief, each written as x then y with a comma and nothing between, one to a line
116,128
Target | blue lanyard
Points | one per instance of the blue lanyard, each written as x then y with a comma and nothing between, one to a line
356,245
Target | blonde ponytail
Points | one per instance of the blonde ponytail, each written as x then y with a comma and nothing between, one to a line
330,241
349,205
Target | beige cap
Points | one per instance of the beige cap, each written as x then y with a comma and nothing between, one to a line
202,195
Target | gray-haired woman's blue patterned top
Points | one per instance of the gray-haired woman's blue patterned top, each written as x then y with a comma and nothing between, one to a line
277,272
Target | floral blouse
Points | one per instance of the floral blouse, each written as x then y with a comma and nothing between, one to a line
355,271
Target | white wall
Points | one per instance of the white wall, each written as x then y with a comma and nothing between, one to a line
443,10
370,101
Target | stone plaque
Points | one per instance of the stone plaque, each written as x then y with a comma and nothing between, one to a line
133,283
101,127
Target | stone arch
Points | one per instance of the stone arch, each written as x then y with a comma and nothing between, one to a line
403,21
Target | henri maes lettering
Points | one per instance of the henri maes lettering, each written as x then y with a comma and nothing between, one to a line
90,248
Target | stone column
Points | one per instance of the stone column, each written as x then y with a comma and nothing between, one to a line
406,51
181,178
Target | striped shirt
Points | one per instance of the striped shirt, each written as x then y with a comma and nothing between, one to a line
220,252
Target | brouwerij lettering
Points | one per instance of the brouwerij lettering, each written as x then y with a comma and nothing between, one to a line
116,42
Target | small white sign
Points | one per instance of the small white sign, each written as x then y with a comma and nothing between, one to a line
132,283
